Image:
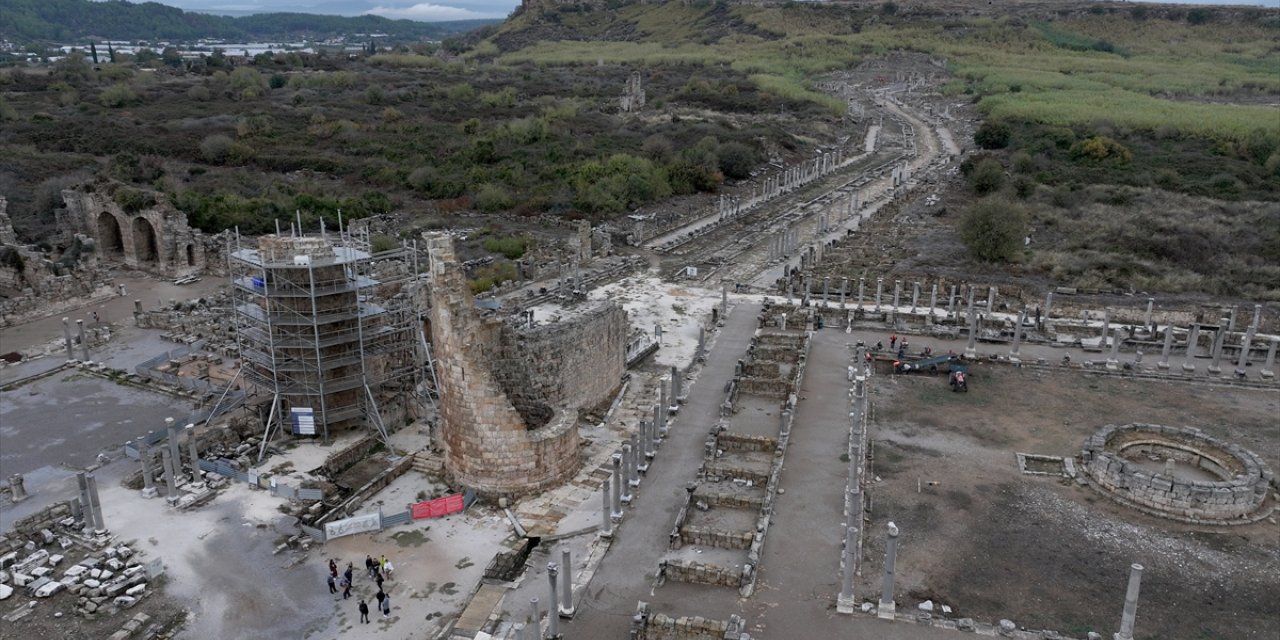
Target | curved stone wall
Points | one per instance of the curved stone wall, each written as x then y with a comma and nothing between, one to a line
1236,496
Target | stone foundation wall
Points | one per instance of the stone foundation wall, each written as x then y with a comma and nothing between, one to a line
719,538
729,499
730,441
660,626
700,573
765,369
765,387
29,528
1234,498
757,478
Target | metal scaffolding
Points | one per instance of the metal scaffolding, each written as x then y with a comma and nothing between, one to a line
328,327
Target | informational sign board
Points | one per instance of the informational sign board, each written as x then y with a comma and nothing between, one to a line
304,421
353,525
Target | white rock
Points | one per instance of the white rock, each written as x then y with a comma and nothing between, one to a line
106,575
136,589
92,584
49,588
5,591
76,570
55,558
867,607
927,605
946,609
95,573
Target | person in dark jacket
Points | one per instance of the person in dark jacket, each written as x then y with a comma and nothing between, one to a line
364,612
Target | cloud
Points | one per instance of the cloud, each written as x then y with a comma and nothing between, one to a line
431,12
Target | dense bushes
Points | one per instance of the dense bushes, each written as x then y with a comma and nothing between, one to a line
993,229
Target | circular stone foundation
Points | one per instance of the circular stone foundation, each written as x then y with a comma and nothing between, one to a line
1178,473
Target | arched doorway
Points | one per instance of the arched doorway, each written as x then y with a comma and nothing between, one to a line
110,240
191,255
145,245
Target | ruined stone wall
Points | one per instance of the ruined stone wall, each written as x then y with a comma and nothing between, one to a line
700,573
1241,492
155,239
488,444
575,363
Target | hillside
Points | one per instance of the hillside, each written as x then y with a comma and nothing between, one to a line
78,20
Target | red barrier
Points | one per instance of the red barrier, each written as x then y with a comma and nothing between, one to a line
439,507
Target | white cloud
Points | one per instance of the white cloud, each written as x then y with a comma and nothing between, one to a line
430,12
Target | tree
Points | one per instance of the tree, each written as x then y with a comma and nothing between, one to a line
737,160
93,51
992,135
993,229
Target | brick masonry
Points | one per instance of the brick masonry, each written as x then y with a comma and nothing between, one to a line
509,395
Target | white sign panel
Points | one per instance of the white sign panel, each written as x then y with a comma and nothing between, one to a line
353,525
304,421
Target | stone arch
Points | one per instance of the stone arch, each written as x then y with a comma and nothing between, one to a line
110,238
146,246
191,255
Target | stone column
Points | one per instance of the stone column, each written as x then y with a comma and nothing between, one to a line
1113,359
1048,305
654,428
991,299
1017,337
1193,337
1168,344
148,476
606,511
1269,369
646,442
84,342
897,295
862,281
566,584
617,488
972,289
1231,318
100,524
83,482
971,349
1106,326
676,391
1256,321
844,289
175,451
1244,352
167,459
66,334
702,342
1220,337
724,298
951,302
663,402
193,450
537,617
879,291
915,296
826,290
845,602
1130,603
887,605
628,469
933,299
17,491
1146,321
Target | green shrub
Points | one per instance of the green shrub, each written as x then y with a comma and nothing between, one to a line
118,95
987,177
737,160
491,198
215,148
993,229
992,135
1099,149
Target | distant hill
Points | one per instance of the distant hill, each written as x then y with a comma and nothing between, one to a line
77,20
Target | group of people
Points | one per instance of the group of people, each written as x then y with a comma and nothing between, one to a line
379,570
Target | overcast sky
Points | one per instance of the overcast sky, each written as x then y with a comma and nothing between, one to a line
436,11
425,11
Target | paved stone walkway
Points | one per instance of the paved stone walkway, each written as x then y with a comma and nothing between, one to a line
627,572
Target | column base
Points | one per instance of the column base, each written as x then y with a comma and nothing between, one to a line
566,612
1164,366
150,492
607,535
1113,365
626,498
1188,367
616,516
1268,374
1215,370
1013,358
846,606
886,610
970,353
634,483
644,468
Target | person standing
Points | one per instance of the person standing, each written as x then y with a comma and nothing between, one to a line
380,596
893,339
349,573
378,579
333,568
389,570
382,564
346,588
368,564
364,612
386,606
332,588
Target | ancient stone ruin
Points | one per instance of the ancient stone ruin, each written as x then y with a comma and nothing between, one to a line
154,237
1178,473
632,98
510,393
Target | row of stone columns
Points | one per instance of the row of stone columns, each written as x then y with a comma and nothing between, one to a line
784,243
84,343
